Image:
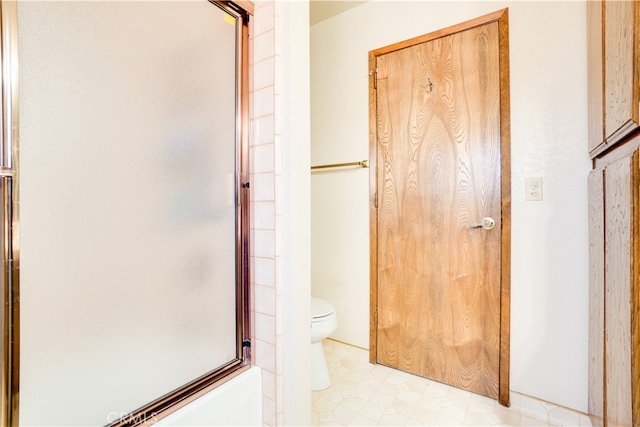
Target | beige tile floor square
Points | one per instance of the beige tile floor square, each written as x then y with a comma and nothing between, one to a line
362,394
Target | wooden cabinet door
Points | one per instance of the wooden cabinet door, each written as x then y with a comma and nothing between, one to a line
621,390
621,85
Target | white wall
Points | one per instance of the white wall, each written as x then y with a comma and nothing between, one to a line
548,124
295,225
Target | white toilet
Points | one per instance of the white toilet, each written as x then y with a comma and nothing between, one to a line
323,323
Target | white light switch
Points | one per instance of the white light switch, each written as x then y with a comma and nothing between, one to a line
533,187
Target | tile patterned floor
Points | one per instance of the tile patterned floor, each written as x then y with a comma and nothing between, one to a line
363,394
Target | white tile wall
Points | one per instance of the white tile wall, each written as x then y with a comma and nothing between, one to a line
263,100
263,130
263,74
265,271
262,187
265,328
266,211
263,159
264,215
263,44
264,243
265,354
265,300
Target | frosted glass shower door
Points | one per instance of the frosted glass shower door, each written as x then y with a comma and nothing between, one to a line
128,203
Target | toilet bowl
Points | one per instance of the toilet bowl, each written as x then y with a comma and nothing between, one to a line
323,322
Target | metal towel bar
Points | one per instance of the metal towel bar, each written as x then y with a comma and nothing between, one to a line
363,164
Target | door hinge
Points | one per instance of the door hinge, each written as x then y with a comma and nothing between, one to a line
374,74
375,200
375,319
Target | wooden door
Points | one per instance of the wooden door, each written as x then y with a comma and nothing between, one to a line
441,280
622,303
621,71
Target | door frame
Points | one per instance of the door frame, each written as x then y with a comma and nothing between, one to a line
502,18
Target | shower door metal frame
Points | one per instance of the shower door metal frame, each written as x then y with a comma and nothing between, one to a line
9,192
9,283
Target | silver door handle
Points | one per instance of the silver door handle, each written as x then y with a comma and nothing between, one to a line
487,223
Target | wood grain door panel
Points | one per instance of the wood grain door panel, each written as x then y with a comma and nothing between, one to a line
438,156
621,69
621,287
